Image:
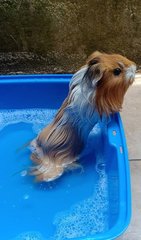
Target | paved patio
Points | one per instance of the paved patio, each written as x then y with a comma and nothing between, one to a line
131,116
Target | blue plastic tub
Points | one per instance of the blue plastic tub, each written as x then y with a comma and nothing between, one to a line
91,203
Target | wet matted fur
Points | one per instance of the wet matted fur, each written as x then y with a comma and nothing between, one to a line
97,89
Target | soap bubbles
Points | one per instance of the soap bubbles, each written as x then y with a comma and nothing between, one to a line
29,236
39,118
87,217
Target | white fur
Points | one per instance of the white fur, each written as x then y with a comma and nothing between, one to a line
81,111
81,92
130,72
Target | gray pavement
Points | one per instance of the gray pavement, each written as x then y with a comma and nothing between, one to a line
131,116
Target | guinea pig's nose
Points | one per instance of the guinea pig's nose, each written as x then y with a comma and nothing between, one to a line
130,72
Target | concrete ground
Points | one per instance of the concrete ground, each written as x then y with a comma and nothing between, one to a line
131,116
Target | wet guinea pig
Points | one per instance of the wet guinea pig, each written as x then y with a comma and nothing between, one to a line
96,90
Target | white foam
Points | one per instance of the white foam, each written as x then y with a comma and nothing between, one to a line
39,118
29,236
87,217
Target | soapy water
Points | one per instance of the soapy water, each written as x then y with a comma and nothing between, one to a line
89,216
86,217
39,118
29,236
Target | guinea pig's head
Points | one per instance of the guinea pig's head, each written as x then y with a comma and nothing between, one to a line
110,75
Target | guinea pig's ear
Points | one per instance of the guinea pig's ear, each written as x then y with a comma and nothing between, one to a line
94,55
94,73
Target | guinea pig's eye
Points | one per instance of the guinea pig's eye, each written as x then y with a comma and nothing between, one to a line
93,61
117,71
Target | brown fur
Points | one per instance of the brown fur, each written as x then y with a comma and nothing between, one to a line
110,94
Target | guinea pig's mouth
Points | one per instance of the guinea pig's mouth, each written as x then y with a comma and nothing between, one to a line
131,80
130,73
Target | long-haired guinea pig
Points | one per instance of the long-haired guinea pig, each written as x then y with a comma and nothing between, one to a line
97,89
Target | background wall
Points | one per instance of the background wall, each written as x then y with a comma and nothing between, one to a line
58,35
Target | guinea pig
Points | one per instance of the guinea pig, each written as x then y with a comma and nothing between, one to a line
96,90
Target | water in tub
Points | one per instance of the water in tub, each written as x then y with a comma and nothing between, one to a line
74,205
